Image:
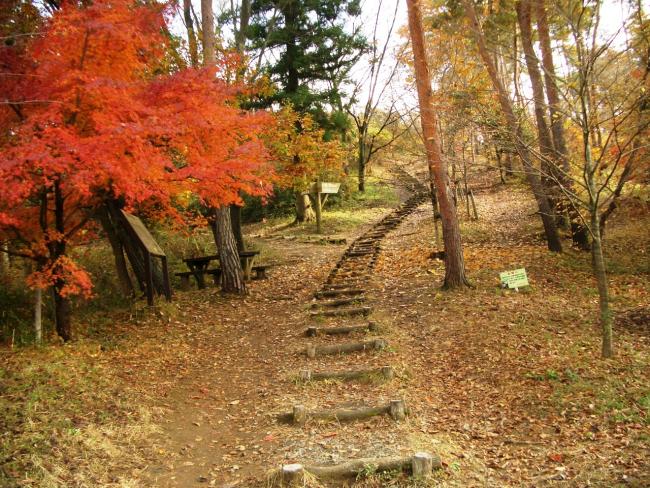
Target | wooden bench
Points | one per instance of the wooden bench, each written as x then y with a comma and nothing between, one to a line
260,271
186,275
215,273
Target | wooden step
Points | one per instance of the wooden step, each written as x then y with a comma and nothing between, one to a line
374,345
335,293
344,329
385,371
339,302
343,312
396,409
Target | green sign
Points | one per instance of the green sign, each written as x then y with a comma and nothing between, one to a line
514,279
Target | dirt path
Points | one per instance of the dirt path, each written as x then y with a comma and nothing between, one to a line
219,419
503,386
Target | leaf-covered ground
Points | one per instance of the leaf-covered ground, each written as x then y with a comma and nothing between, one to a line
508,388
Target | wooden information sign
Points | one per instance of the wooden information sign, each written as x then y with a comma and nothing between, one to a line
325,187
317,189
514,279
150,249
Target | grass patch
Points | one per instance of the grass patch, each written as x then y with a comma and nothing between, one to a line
66,421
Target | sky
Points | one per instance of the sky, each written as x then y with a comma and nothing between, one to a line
613,13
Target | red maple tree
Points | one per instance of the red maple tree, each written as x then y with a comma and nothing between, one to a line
92,116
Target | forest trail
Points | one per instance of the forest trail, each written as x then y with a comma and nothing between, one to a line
504,397
219,420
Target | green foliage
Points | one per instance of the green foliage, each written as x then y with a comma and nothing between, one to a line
15,309
313,46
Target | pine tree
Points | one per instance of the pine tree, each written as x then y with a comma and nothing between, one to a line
314,53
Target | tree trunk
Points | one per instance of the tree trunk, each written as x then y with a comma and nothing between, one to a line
207,27
244,19
600,273
304,209
38,314
545,211
117,247
4,257
361,161
62,313
191,35
232,275
545,143
579,232
557,120
454,262
235,218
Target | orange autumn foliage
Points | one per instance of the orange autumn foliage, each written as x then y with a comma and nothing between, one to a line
90,119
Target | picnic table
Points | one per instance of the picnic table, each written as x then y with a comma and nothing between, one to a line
199,265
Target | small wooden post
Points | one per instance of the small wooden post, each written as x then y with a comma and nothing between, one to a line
471,195
380,344
305,375
311,351
293,475
388,372
319,213
149,275
299,414
397,409
422,465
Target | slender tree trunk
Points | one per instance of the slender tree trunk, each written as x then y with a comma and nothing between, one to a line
454,262
545,143
232,277
499,155
207,28
579,233
57,249
436,213
557,120
191,35
240,45
244,19
62,313
38,313
361,161
509,168
546,213
235,218
600,273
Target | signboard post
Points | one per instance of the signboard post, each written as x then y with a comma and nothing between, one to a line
317,189
514,279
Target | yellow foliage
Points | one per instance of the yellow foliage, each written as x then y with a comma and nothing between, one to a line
300,152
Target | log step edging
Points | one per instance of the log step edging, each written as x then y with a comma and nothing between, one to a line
396,409
344,329
336,293
339,302
420,465
343,312
376,344
385,372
